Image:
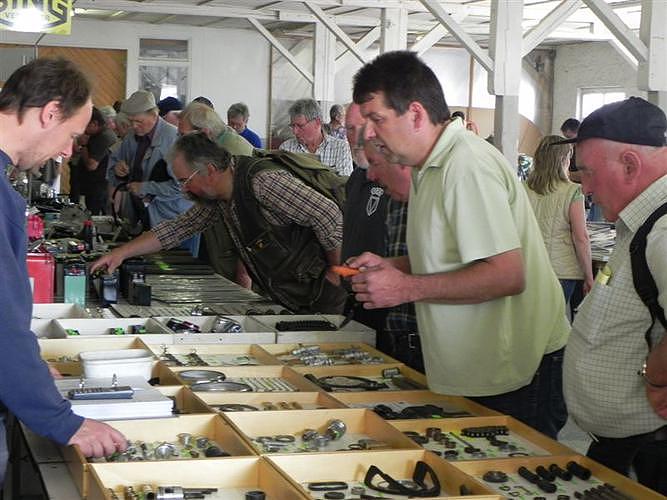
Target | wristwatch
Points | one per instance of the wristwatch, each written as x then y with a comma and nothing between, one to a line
642,373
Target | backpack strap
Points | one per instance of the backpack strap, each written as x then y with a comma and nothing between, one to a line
641,274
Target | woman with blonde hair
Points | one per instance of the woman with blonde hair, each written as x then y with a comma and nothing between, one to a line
558,204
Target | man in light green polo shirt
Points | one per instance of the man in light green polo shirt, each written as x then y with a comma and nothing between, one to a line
489,307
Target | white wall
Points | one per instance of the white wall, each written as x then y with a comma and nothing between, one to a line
586,65
227,66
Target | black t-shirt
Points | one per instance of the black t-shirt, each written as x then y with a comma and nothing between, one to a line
364,217
98,149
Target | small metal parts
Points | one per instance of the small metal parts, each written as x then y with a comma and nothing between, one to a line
308,325
180,493
180,326
224,324
495,476
192,377
314,355
186,446
486,431
416,412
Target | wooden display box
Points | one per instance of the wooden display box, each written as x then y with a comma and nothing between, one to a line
308,400
625,485
163,429
448,403
99,327
542,444
260,355
367,371
185,400
43,328
240,474
352,332
169,375
358,422
279,350
352,467
254,331
58,311
63,354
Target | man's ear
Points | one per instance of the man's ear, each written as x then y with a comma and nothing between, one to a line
50,114
211,169
419,114
631,162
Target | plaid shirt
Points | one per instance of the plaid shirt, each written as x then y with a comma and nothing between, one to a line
401,318
284,200
333,152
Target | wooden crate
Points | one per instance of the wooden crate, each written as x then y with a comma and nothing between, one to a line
254,331
235,372
527,439
476,469
308,400
162,429
352,332
242,474
352,467
259,355
280,351
184,399
359,423
448,403
367,371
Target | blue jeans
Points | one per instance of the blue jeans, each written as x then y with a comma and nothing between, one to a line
568,287
540,404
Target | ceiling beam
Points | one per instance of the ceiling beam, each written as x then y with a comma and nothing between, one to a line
463,38
538,33
335,29
282,49
619,29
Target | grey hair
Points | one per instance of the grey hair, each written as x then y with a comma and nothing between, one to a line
122,119
202,117
238,109
306,107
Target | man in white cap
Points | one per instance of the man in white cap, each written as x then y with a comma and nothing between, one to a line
142,163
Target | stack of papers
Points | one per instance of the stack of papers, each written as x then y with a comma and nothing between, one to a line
147,402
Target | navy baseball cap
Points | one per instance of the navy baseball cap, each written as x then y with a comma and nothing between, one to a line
632,121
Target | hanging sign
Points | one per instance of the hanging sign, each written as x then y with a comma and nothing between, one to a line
38,16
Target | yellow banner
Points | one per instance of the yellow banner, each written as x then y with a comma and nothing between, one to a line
39,16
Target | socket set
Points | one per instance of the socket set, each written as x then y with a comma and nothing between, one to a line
314,355
552,482
185,447
475,443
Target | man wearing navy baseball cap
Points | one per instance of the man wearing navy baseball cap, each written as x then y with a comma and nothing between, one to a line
615,368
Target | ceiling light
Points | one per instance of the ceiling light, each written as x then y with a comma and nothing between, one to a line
29,20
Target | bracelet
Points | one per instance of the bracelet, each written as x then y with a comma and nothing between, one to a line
642,374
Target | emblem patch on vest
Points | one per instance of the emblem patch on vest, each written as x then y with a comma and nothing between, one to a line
374,200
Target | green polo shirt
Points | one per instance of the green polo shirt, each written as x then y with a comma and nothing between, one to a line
467,204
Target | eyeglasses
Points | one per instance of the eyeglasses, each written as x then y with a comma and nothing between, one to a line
299,126
183,183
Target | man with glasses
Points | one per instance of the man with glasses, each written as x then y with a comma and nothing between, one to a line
286,234
309,137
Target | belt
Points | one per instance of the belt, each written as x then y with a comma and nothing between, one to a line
656,435
660,434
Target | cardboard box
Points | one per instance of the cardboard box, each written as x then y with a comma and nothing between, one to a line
238,474
163,429
307,400
452,404
525,438
352,332
352,467
282,352
476,469
361,424
226,352
254,332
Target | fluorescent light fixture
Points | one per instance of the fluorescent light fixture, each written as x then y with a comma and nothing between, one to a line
29,20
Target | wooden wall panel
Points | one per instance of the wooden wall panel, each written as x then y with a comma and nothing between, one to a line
104,67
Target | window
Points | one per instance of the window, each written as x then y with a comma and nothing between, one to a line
592,99
164,66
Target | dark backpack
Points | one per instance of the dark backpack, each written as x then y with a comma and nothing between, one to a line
641,274
308,169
